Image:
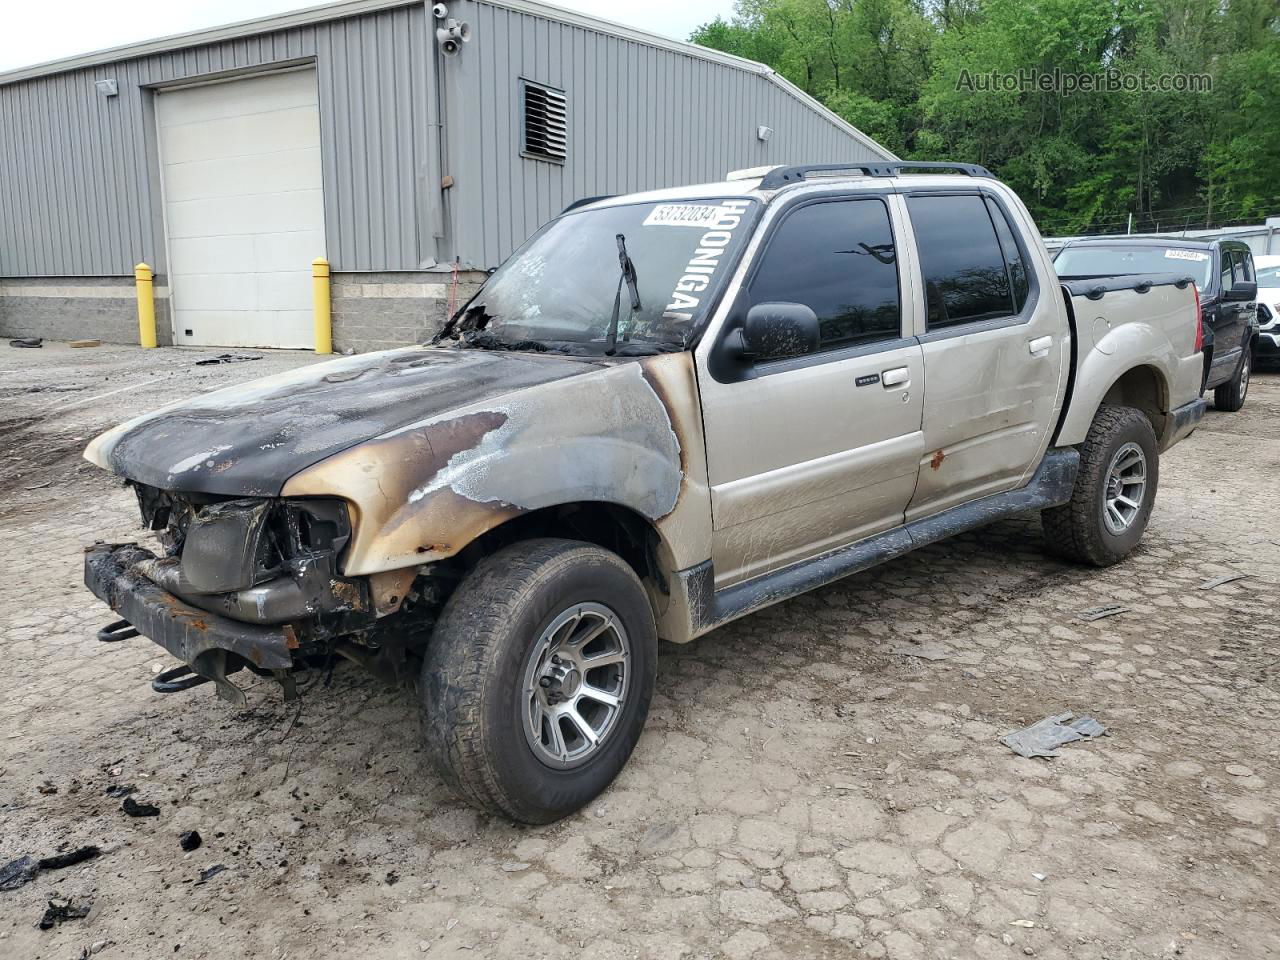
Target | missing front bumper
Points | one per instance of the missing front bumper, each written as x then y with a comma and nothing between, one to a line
200,639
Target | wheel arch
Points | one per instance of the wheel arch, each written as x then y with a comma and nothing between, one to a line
1142,386
622,530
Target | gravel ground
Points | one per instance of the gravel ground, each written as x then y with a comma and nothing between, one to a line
809,784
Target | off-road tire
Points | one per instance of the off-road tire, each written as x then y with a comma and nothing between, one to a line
1229,396
1076,530
473,672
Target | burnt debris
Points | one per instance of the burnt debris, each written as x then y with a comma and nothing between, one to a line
135,809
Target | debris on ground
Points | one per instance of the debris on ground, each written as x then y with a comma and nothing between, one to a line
60,911
27,342
15,873
1097,613
1043,737
85,343
135,809
48,788
210,873
190,840
1219,581
70,858
925,651
120,789
225,358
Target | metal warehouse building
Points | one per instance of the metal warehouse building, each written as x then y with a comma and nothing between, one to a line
368,132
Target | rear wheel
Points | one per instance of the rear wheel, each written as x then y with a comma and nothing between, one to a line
538,677
1114,491
1230,396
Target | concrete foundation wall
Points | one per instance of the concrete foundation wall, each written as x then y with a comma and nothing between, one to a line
377,311
77,308
371,311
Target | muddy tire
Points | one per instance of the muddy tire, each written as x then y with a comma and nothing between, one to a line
1229,397
1114,491
537,680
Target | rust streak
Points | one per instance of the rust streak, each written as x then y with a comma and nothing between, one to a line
938,457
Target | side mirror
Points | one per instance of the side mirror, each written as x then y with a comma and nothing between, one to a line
1243,290
774,331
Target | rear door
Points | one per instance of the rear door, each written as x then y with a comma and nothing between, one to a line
995,344
810,453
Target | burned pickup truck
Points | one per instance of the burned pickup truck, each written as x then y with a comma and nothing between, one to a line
662,413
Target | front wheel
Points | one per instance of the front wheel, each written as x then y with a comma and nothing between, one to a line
1113,494
1230,396
537,679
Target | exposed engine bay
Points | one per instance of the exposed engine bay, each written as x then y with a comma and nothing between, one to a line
255,583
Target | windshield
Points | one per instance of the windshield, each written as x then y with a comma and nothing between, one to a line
561,290
1269,276
1111,260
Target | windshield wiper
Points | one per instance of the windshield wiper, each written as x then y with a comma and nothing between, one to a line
473,317
627,276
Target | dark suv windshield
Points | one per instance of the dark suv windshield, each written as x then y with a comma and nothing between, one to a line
1113,259
558,291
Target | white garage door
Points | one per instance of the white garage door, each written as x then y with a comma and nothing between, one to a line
244,209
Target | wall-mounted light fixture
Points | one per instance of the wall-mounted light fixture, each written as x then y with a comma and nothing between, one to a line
763,133
108,88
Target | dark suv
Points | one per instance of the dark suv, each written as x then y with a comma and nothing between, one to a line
1224,276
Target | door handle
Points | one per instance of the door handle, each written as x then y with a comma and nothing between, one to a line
1039,346
895,377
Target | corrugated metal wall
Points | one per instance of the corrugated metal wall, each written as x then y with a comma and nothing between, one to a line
640,117
77,170
79,178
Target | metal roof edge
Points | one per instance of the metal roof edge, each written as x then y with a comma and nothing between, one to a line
829,114
351,8
550,11
553,12
230,31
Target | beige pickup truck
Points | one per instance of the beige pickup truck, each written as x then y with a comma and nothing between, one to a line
664,412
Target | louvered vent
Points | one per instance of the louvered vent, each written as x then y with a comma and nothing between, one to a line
544,122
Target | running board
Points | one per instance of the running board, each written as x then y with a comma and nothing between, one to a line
1050,487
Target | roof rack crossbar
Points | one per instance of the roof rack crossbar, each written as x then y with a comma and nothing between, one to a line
781,176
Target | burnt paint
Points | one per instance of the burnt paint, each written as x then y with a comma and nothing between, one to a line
247,440
622,435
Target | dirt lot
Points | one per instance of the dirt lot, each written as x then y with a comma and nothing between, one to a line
808,785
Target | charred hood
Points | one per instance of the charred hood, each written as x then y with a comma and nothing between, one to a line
247,440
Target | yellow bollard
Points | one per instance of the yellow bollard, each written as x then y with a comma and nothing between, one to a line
323,305
142,278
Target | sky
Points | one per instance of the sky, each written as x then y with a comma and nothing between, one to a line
34,33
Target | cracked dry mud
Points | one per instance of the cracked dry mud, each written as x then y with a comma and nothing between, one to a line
803,788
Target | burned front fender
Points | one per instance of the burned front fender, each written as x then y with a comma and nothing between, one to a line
624,434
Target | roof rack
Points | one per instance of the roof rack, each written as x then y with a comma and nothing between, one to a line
781,176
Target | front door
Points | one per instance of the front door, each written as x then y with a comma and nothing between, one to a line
810,453
1231,319
996,349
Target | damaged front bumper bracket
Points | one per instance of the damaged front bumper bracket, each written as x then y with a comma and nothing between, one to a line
198,638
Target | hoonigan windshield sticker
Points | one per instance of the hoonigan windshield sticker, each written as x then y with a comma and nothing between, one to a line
706,258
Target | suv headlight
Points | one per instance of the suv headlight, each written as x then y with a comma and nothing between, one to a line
237,544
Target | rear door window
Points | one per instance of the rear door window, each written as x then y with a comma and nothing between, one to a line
1013,258
965,275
